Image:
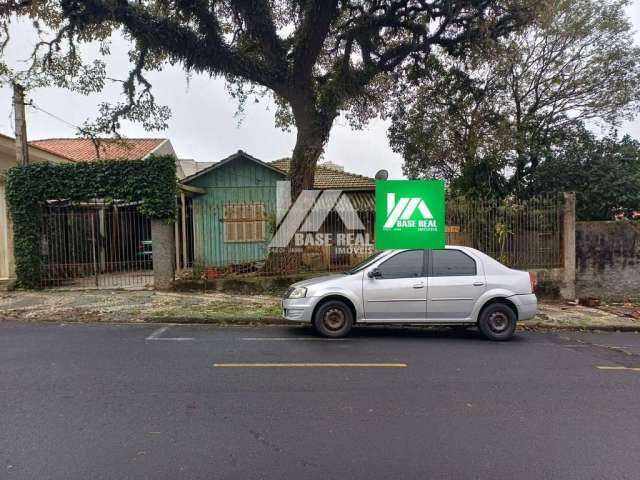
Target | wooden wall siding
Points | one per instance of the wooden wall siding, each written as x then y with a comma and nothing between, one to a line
239,182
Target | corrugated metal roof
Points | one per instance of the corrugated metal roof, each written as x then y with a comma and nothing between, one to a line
361,201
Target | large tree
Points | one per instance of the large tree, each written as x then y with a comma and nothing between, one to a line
604,173
506,105
318,58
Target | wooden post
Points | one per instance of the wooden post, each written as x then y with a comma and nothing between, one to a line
94,247
102,230
176,235
185,255
115,241
22,148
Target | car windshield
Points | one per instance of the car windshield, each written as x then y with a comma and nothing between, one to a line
363,264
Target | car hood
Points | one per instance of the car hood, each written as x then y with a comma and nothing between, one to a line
317,280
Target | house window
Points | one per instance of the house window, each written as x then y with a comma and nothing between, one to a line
244,222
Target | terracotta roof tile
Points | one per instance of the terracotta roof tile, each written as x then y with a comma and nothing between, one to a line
84,150
332,178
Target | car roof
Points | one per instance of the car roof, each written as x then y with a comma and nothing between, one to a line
488,261
447,247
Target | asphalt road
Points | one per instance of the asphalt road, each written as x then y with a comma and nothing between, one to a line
119,402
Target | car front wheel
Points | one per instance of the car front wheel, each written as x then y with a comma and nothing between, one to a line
333,319
497,322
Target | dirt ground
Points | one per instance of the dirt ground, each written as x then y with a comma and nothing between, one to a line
139,306
136,306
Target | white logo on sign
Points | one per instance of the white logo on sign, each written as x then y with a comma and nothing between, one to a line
399,213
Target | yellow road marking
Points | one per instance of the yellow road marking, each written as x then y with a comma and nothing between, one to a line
310,365
629,369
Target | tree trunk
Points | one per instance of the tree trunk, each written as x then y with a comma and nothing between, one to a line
313,132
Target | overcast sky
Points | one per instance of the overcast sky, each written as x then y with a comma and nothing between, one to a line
203,125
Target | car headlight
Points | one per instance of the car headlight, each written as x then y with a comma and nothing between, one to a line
298,292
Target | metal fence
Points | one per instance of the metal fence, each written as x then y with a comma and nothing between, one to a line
95,244
233,237
98,244
520,234
229,232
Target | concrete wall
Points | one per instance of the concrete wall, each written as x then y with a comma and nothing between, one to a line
165,148
163,254
561,282
608,260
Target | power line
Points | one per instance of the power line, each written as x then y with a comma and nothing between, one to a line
12,120
52,115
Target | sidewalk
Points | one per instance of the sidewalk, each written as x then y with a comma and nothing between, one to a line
138,306
578,317
116,306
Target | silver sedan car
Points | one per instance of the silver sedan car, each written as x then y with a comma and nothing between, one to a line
456,286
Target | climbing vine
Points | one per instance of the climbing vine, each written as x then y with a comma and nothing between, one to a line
151,181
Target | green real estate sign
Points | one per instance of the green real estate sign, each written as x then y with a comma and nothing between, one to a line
409,214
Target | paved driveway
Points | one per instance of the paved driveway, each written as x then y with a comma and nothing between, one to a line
199,402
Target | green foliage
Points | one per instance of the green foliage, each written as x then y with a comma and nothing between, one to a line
604,173
315,58
487,121
152,181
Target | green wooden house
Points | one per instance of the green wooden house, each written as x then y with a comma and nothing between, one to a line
232,209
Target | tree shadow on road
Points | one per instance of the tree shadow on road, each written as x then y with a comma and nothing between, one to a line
410,332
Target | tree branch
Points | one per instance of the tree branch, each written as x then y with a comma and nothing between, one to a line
199,51
260,25
309,38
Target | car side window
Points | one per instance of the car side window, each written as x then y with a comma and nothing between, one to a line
451,263
407,264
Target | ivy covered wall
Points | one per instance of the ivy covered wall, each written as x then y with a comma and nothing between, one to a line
151,181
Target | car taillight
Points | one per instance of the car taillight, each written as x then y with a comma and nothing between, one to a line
532,281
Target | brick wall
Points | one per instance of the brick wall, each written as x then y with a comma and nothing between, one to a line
608,260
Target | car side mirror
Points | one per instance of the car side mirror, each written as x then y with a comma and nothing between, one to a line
375,273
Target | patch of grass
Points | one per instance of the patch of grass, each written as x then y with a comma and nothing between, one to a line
548,289
218,311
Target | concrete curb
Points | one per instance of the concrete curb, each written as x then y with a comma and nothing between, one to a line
276,321
586,328
163,321
220,321
279,321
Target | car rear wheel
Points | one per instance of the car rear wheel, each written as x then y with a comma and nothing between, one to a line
497,322
333,319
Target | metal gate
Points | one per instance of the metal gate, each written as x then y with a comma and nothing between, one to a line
95,245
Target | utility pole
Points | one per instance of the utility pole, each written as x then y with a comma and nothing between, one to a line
22,148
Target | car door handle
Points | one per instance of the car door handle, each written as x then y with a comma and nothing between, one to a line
478,284
418,285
